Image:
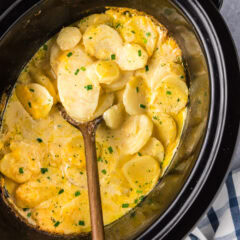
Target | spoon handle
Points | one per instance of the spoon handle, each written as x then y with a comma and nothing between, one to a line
93,185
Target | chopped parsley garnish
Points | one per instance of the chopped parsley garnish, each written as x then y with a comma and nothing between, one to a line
25,209
39,140
104,171
45,47
155,117
77,71
29,104
113,56
142,106
44,170
178,100
145,40
139,191
81,223
110,149
139,154
100,159
136,201
31,90
137,89
146,68
148,34
77,193
125,205
81,173
182,77
168,92
56,224
133,31
118,25
83,69
29,214
61,191
139,53
90,37
89,87
69,54
20,170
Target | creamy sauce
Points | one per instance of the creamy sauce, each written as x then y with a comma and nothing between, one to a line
121,64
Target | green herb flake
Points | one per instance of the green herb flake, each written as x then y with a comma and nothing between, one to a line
29,104
182,77
29,214
77,193
136,201
44,170
56,224
39,140
155,117
45,47
83,69
139,53
110,149
89,87
104,171
139,154
20,170
77,71
125,205
81,173
90,38
148,34
178,100
100,159
113,56
139,191
25,209
31,90
142,106
133,214
145,40
118,25
61,191
137,89
81,223
168,92
147,68
69,54
133,32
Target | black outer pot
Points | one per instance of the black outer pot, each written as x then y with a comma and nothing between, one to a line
204,155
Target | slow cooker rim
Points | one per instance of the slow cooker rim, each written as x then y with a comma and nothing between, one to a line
182,5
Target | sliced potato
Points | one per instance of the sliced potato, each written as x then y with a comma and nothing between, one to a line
132,57
105,72
35,98
78,94
135,132
166,128
18,168
141,30
171,96
113,117
153,148
94,19
142,173
68,38
105,102
134,97
102,41
55,53
43,80
120,83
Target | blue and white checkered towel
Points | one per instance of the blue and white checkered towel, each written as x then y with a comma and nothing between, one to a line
222,222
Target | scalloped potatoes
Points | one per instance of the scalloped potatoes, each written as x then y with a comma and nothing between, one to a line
121,64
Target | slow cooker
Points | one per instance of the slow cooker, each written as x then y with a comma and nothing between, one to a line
203,157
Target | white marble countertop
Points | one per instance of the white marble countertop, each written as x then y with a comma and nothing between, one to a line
231,13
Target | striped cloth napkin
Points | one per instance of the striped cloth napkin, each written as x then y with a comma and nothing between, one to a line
222,222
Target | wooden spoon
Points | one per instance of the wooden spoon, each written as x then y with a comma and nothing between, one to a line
88,130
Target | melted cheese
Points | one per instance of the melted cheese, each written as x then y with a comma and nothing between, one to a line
125,67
